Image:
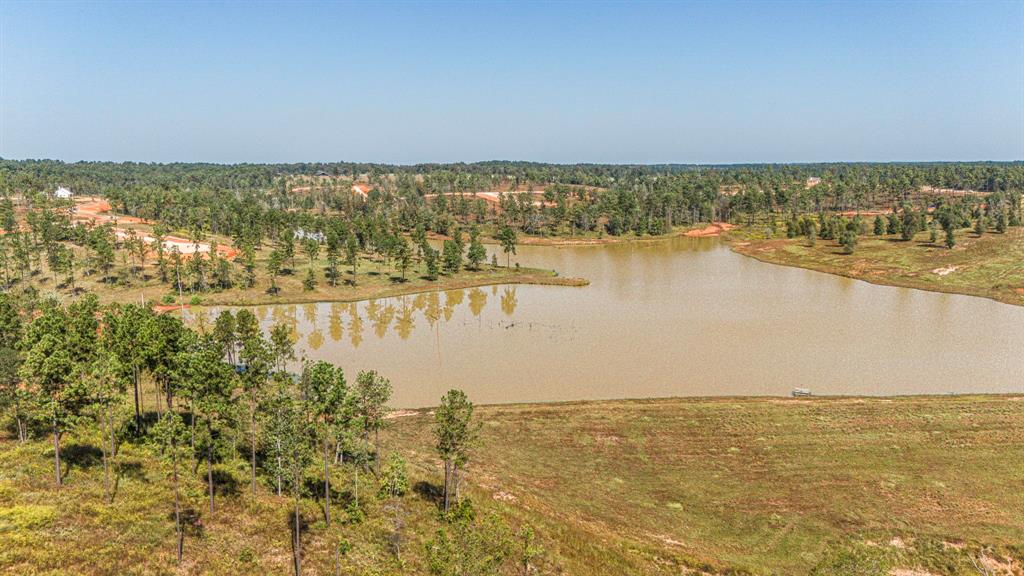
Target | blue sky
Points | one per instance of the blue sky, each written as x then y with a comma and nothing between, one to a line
403,82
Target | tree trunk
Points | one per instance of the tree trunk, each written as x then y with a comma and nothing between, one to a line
209,471
252,429
106,465
192,430
297,543
177,504
278,467
455,480
56,451
447,474
327,482
366,441
110,428
22,435
138,401
377,455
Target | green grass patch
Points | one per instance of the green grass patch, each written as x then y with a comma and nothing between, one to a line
818,486
989,266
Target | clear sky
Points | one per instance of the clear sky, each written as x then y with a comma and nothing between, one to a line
401,82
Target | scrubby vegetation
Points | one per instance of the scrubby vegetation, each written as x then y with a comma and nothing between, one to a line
723,486
170,448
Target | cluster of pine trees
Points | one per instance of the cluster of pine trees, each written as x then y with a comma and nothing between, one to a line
227,395
254,203
309,211
997,211
331,243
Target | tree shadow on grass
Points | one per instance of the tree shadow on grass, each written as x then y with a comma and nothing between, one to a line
225,483
80,456
315,488
131,469
303,528
191,522
429,492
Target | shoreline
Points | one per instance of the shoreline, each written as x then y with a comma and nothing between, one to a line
406,411
700,230
525,276
749,249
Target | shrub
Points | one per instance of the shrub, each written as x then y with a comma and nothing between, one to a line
26,517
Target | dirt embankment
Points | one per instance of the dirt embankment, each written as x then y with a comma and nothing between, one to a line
98,210
713,229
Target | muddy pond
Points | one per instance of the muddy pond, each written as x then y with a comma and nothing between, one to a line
684,317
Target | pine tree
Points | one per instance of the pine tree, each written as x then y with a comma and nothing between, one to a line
430,257
209,384
325,392
477,253
59,346
456,433
333,257
372,393
404,257
507,237
171,433
451,257
352,254
1001,222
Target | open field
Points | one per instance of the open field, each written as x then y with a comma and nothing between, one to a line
839,486
769,486
991,266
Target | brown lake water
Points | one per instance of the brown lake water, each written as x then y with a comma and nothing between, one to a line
685,317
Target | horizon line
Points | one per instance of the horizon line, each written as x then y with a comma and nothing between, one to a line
508,161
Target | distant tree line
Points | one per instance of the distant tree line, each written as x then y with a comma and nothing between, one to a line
311,211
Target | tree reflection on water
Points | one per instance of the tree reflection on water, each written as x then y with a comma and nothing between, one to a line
398,315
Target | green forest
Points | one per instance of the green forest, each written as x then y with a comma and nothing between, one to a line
309,226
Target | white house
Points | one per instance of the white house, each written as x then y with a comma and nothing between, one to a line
301,234
63,193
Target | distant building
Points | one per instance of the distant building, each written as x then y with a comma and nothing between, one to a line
301,234
63,193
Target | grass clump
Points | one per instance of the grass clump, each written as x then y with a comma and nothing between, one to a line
26,516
